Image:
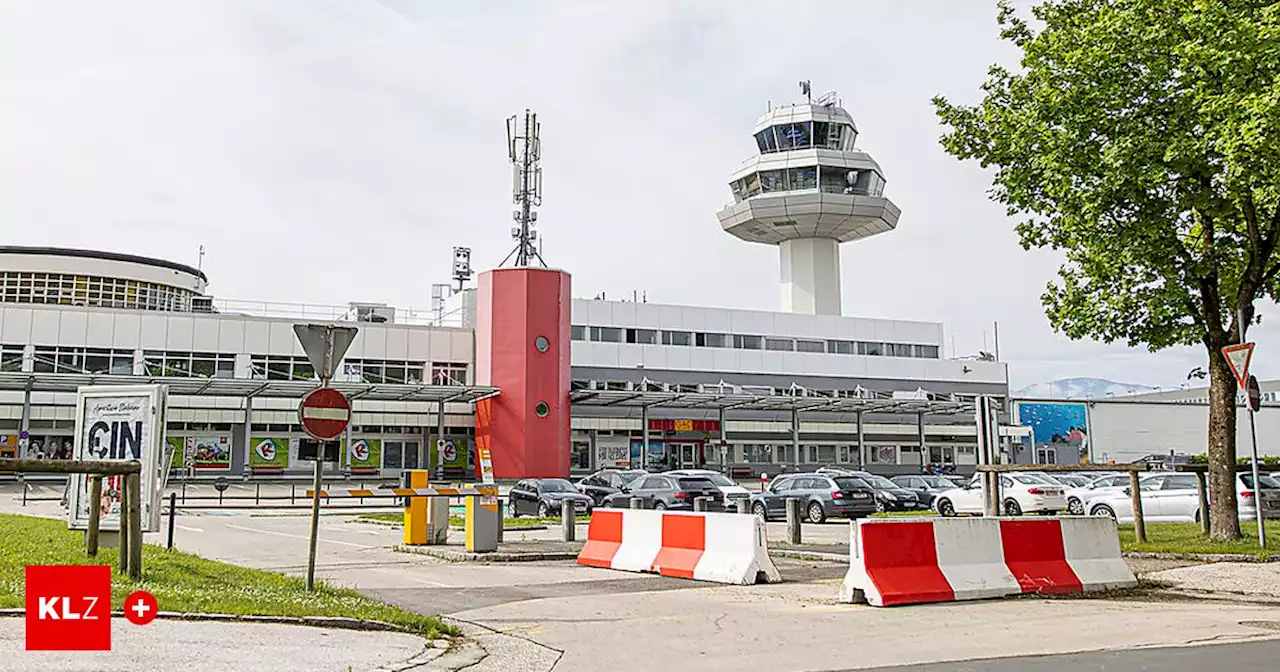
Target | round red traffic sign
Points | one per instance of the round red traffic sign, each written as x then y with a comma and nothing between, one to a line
324,413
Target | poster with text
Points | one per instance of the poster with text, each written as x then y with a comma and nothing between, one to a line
363,455
1057,425
117,424
268,452
210,453
613,455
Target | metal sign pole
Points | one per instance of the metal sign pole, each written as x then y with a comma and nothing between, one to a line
317,474
1257,484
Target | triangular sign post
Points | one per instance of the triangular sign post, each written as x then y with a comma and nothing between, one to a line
325,344
1238,358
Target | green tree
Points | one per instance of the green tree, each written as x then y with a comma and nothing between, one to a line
1141,138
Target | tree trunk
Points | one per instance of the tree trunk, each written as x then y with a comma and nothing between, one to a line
1224,522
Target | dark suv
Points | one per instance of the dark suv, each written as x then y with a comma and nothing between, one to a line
824,496
661,491
600,485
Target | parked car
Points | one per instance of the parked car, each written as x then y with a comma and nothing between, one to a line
666,491
889,495
543,496
1174,498
1021,494
729,488
823,495
1078,498
926,486
607,482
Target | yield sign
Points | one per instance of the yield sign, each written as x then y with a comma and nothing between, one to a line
1238,358
325,344
324,413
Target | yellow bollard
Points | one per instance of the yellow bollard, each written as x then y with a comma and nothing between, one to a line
415,512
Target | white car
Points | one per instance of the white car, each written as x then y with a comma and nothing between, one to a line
1173,498
1078,499
731,491
1021,494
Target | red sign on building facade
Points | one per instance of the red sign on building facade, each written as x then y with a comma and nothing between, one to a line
682,425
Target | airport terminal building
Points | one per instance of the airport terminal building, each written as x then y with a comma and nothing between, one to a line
557,383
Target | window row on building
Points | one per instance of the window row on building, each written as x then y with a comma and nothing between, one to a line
91,290
750,342
102,361
825,179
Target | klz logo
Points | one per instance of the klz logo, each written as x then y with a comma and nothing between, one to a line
68,608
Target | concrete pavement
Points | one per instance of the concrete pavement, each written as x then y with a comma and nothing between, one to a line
225,647
1242,657
534,614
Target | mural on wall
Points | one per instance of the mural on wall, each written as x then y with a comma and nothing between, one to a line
1061,426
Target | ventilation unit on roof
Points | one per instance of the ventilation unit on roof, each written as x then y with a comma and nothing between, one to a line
373,312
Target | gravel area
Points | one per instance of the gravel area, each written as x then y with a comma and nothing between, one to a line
1246,579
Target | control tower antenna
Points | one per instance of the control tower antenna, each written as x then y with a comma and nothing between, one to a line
524,147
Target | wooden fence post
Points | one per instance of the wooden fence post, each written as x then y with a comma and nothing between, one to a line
1139,522
95,516
133,483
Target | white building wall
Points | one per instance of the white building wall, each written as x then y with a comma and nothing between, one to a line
761,323
1128,431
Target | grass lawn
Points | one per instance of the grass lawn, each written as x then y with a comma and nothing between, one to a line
1187,538
185,582
906,514
458,521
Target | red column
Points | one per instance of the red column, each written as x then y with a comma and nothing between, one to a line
522,347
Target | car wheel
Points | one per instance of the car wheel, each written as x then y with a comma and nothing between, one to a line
1012,508
660,506
760,511
544,510
1075,507
880,507
1104,510
946,508
816,513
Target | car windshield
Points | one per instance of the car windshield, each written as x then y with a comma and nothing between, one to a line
851,483
719,479
556,485
1036,478
1028,479
879,481
629,476
1268,482
938,482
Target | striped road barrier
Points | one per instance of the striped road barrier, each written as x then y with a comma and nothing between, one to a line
478,491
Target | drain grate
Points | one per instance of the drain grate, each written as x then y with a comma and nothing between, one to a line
1265,625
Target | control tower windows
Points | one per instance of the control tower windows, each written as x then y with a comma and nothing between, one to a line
799,179
794,136
767,141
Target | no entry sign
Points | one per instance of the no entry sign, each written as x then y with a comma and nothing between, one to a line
325,413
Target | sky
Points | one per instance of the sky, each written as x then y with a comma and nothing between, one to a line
327,151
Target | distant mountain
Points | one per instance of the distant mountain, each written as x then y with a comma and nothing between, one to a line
1081,388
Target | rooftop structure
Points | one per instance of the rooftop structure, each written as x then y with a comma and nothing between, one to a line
808,190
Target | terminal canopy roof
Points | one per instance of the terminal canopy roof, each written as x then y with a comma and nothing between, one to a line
241,387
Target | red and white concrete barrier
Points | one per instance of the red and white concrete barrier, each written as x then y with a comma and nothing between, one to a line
719,547
947,559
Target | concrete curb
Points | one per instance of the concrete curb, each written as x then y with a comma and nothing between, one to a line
1202,557
331,622
809,555
454,555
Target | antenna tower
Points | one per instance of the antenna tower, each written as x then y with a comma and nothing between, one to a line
524,147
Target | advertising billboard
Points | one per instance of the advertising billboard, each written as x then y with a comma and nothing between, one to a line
118,423
269,452
1059,430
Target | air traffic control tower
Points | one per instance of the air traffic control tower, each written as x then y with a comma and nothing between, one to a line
808,190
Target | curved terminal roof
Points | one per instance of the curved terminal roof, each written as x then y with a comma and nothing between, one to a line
99,254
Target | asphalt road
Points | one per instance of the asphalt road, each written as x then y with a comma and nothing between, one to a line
1261,656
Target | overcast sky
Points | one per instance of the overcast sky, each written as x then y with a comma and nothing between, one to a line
326,151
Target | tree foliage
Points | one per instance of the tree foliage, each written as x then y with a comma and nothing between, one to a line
1142,139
